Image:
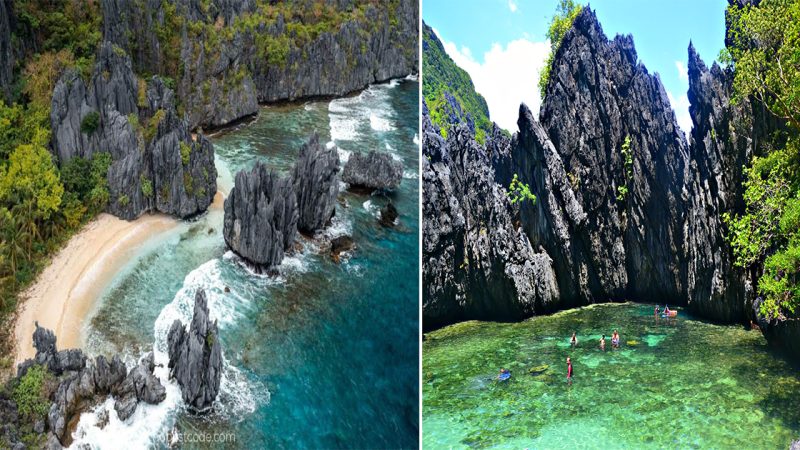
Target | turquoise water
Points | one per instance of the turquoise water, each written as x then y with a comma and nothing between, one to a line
679,383
325,355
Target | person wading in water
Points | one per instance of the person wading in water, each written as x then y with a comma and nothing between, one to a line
569,370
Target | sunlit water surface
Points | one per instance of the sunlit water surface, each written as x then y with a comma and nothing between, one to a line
679,383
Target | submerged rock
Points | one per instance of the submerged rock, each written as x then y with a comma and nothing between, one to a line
261,216
389,215
195,357
316,184
373,170
340,245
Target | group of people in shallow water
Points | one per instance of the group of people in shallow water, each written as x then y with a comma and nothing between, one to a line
574,342
505,374
614,340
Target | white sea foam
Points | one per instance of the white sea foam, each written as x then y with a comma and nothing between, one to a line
378,122
397,157
410,175
412,77
330,144
393,82
339,226
416,139
343,118
344,155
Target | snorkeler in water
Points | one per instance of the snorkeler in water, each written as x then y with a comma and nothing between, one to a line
615,339
603,342
574,340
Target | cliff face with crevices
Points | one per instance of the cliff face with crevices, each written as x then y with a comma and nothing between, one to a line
642,222
223,69
156,165
477,262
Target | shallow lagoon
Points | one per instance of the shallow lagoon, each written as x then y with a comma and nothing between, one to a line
678,383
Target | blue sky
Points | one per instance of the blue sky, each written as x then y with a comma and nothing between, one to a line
502,43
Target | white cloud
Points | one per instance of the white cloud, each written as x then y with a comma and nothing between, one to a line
507,76
683,73
681,108
512,6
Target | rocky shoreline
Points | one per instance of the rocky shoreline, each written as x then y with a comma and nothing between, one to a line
42,404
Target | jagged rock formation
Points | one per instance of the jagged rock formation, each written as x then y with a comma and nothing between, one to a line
80,384
195,356
139,385
373,170
630,246
477,263
316,184
139,126
226,74
718,152
261,216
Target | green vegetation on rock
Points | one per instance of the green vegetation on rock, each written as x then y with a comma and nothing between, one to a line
440,76
186,151
90,123
765,57
561,22
627,163
519,191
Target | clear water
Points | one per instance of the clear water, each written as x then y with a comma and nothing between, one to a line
325,355
679,383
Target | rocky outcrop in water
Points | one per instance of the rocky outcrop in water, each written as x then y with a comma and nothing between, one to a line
389,215
261,216
195,356
232,61
75,384
373,170
477,263
316,184
156,166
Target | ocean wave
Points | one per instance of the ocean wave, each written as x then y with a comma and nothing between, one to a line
410,175
412,77
394,82
380,123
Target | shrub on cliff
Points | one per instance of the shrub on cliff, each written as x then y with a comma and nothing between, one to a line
561,22
90,123
764,52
